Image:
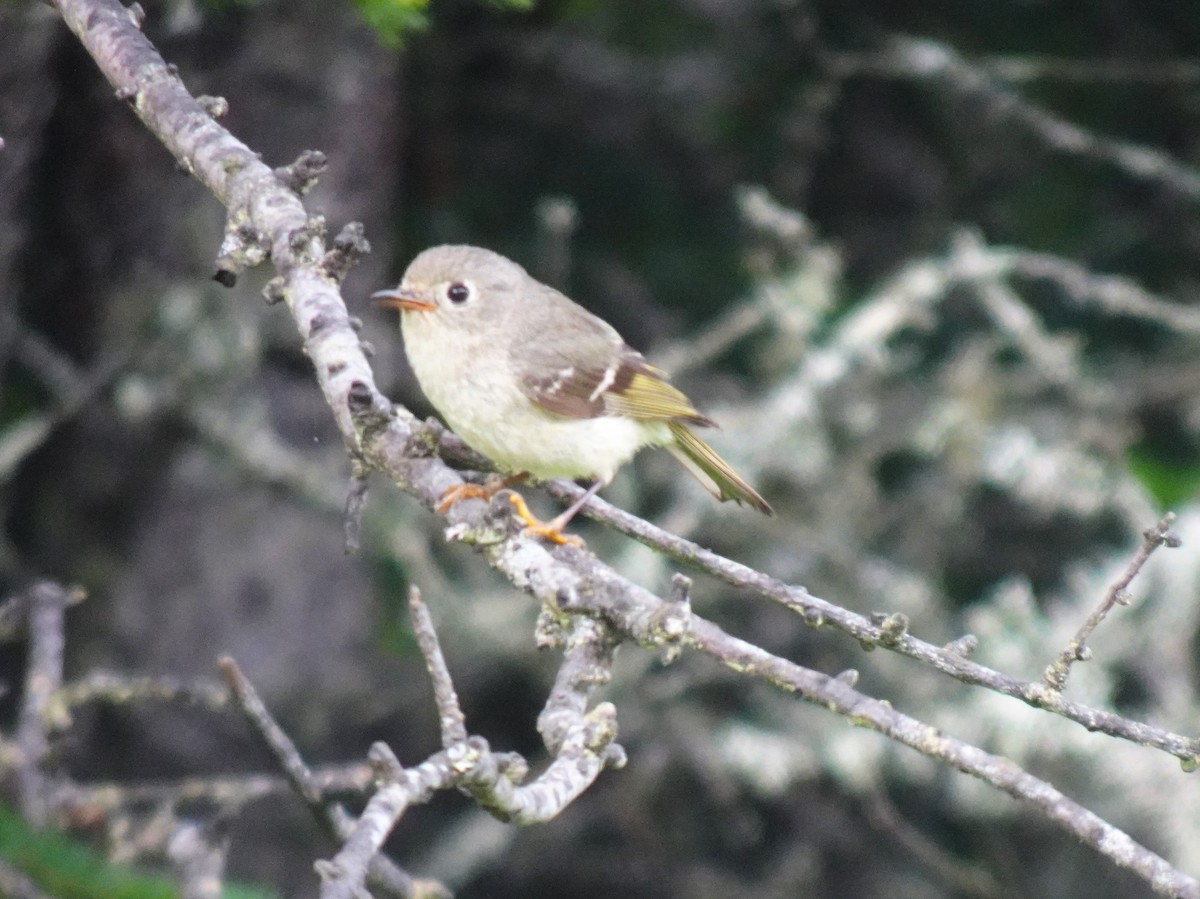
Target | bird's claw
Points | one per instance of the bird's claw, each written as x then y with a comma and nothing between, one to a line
547,530
459,492
485,491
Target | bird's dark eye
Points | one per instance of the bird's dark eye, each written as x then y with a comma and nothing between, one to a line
458,292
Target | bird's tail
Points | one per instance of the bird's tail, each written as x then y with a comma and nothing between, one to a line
711,470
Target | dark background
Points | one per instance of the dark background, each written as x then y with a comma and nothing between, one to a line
974,470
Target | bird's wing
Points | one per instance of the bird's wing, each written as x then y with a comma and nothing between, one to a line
587,371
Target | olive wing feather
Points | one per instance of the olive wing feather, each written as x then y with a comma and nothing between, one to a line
576,365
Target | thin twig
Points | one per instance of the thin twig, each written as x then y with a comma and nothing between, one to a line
996,770
965,878
582,742
356,502
1030,67
633,611
344,875
273,737
106,686
226,792
1056,674
331,814
47,610
574,581
817,612
72,392
451,720
936,61
587,664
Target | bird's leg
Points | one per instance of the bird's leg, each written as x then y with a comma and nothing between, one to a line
484,491
553,530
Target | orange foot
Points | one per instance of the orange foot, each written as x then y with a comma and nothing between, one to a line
548,530
484,491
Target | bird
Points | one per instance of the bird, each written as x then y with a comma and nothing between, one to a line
539,385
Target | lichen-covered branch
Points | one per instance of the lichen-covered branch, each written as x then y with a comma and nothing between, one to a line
46,604
936,61
263,206
817,612
1055,675
582,742
266,218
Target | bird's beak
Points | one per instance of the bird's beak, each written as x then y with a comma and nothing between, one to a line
405,299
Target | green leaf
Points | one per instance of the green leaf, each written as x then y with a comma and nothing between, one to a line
68,869
1171,482
394,20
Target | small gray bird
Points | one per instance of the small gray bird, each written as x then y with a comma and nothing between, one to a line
537,383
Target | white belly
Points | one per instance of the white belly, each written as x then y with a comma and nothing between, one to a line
482,403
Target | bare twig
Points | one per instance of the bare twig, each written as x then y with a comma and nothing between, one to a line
573,581
47,608
998,771
264,211
1112,294
116,688
349,248
277,742
633,611
71,388
332,816
356,501
343,876
584,753
301,176
965,878
228,793
581,741
932,60
1029,67
451,720
1056,674
817,612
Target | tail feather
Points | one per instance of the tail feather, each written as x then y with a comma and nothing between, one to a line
718,478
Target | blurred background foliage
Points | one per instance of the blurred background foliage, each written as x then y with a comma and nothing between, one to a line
932,267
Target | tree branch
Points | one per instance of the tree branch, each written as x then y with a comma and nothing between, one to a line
47,605
1055,675
267,216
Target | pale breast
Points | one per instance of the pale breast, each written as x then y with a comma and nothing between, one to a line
474,389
